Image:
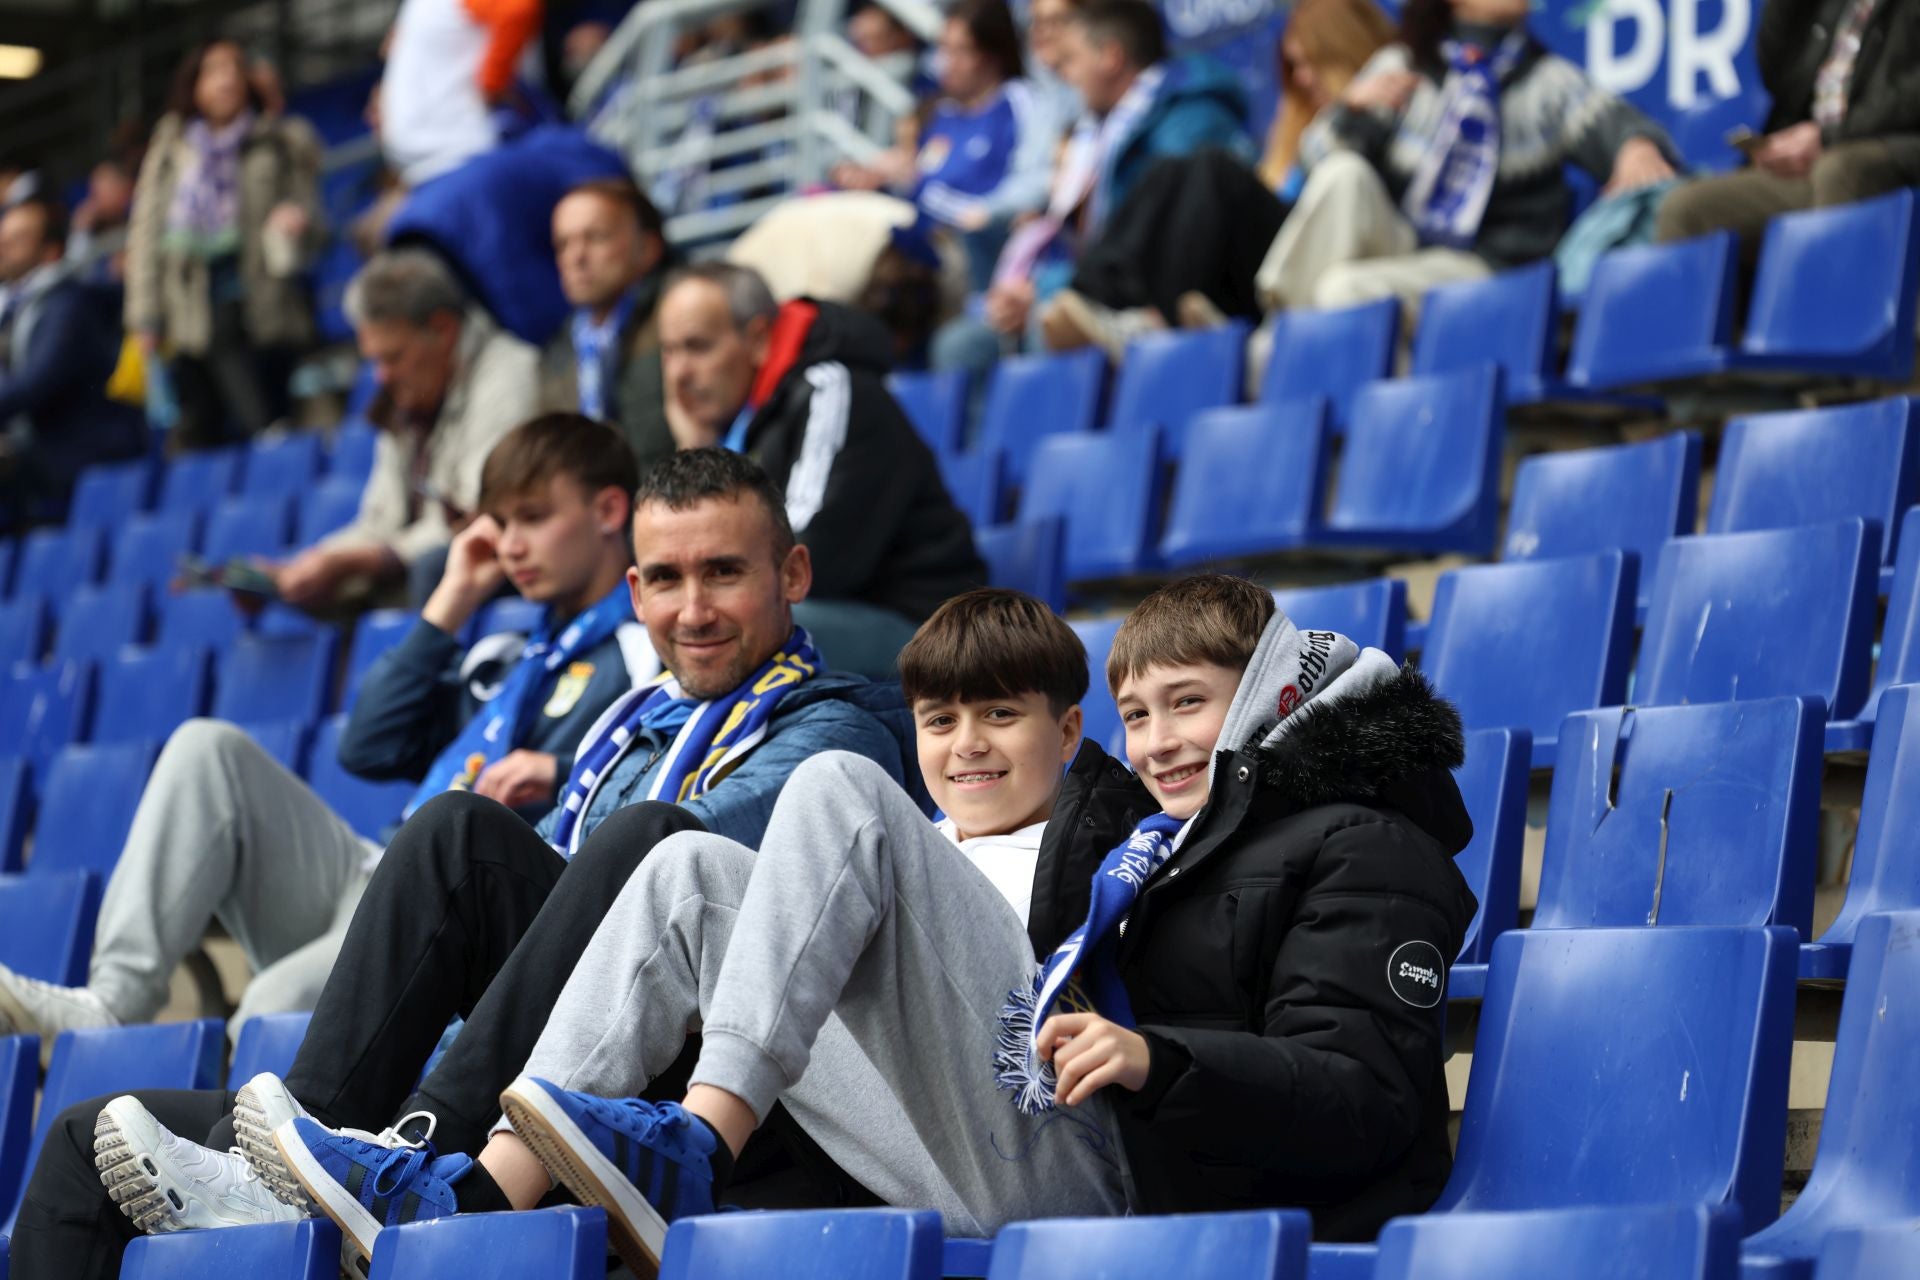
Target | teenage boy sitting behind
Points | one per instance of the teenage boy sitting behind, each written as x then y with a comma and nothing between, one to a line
1288,1067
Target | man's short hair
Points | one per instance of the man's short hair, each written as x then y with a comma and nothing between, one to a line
748,297
994,643
682,480
53,219
1207,618
1134,25
625,193
584,449
406,286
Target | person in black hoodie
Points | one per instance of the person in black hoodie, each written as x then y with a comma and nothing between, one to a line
799,387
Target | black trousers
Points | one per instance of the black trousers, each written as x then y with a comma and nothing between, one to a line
1201,222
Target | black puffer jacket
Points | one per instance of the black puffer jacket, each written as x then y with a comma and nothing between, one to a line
1288,966
1883,97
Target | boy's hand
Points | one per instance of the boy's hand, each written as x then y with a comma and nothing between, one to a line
472,575
1088,1053
519,778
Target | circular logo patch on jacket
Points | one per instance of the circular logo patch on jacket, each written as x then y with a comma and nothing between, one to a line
1417,973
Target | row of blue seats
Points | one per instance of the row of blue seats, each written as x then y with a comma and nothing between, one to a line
283,465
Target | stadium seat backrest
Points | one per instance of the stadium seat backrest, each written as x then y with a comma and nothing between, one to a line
43,710
1521,645
1168,377
1101,725
284,740
97,622
55,561
350,459
373,635
1899,655
1107,488
845,1244
304,1250
1331,353
145,694
1835,289
1030,397
1251,481
276,678
331,504
1027,557
1816,465
1421,465
1493,783
1627,497
1704,814
87,806
104,496
1372,614
936,405
370,808
203,618
1871,1253
267,1042
1630,1066
976,483
243,528
199,481
23,630
1510,319
282,466
1885,872
46,924
1656,312
1863,1170
1651,1242
1760,615
1267,1245
16,809
148,547
19,1078
555,1244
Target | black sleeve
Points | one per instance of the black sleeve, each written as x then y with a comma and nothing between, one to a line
409,708
853,477
1895,107
65,353
1336,1083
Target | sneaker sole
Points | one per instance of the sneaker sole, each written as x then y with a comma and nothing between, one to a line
253,1129
357,1227
635,1228
127,1178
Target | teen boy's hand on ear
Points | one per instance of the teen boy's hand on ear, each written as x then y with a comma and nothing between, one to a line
1088,1053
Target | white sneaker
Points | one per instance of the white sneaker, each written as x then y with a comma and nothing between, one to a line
263,1104
31,1007
164,1183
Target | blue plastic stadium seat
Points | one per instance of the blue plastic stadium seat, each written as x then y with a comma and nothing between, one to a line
1521,645
371,808
1101,724
1510,319
1628,497
554,1244
1835,292
148,548
267,1042
1885,874
307,1250
975,483
1251,482
243,528
281,466
87,806
1030,397
1421,468
284,740
1760,615
19,1078
1899,657
199,482
331,504
1268,1245
1863,1170
104,496
1168,377
1493,783
55,561
46,924
276,678
1655,314
16,809
41,711
1331,353
1107,488
1651,1242
205,618
1867,1253
1812,466
1372,614
351,456
846,1244
936,404
97,622
278,619
509,613
373,635
23,630
143,695
1027,557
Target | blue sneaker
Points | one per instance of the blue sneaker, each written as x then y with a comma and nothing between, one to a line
646,1163
364,1186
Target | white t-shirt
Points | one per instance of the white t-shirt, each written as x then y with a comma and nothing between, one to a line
1008,860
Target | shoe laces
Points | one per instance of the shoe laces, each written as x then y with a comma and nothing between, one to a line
392,1136
400,1167
647,1120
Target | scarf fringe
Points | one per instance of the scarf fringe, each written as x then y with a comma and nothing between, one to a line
1016,1069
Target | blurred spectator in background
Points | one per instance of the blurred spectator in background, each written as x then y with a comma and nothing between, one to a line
451,384
59,340
17,183
1046,21
1325,45
450,62
877,34
97,219
225,219
611,248
1845,80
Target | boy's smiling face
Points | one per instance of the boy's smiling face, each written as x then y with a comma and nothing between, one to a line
993,765
1173,717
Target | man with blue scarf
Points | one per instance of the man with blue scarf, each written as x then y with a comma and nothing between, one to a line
224,832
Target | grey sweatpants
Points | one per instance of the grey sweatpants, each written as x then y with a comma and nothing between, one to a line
224,832
854,969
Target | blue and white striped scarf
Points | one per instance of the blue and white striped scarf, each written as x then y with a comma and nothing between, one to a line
1447,199
205,213
717,734
592,350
